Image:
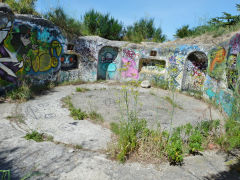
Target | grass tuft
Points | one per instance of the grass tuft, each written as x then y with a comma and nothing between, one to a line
79,89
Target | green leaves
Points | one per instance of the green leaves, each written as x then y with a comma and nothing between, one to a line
144,30
23,6
103,25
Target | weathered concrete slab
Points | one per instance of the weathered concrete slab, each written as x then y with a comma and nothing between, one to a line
47,115
47,160
152,105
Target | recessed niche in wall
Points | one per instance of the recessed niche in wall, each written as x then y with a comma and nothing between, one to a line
152,64
153,53
69,61
70,47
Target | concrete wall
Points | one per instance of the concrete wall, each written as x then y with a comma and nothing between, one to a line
29,47
202,68
33,47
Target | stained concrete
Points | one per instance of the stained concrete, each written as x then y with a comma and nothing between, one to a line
152,105
47,160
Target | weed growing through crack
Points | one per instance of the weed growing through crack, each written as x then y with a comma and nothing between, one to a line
75,113
135,139
38,137
79,89
170,101
19,118
34,135
96,117
78,146
27,90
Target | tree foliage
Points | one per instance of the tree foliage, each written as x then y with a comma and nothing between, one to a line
218,25
184,31
144,30
103,25
69,25
22,6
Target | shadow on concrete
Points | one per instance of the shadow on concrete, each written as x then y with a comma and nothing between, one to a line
8,164
232,174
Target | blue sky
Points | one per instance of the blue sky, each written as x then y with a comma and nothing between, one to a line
168,14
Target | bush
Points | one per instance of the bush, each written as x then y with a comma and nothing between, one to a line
22,6
144,30
128,134
195,142
22,93
96,23
175,149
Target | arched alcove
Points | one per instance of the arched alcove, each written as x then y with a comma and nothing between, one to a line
194,71
106,68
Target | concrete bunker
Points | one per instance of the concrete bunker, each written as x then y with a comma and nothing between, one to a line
106,68
195,71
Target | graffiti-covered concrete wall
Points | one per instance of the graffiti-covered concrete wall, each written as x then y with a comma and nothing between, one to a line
29,47
34,47
202,68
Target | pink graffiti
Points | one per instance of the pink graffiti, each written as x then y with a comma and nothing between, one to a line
235,44
129,69
129,53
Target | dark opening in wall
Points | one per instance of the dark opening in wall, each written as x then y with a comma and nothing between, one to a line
153,53
69,61
70,47
199,59
151,64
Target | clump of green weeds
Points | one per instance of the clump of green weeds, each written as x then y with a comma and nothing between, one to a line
79,89
75,82
75,113
34,135
96,117
175,149
27,90
22,93
160,83
170,101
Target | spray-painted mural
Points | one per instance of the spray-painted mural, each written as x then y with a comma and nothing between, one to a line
130,58
27,48
217,62
69,61
194,71
88,51
106,65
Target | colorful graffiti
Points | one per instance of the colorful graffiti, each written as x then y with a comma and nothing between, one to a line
27,49
68,61
129,59
217,62
88,58
194,71
106,65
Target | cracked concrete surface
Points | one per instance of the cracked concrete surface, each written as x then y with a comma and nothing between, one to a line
47,160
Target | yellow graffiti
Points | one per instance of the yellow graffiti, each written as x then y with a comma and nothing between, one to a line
55,45
44,61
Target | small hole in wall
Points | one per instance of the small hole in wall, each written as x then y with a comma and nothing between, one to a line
70,47
153,53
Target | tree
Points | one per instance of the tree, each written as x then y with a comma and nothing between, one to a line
23,6
184,31
96,23
70,26
144,30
